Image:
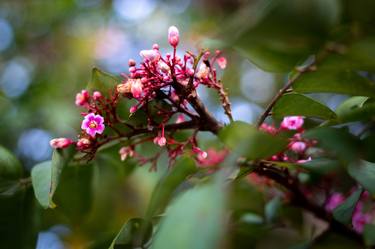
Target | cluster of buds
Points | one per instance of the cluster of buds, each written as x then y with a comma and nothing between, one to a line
360,216
296,151
163,87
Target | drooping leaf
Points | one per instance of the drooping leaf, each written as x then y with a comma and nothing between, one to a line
344,82
364,173
344,212
168,184
338,142
355,109
102,81
369,234
194,220
41,180
10,167
298,104
135,233
250,142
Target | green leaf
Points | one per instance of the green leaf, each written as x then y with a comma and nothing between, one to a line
297,104
321,165
250,142
194,220
339,142
333,240
364,173
60,158
168,184
41,181
10,167
134,234
355,109
344,82
102,81
369,234
272,208
344,212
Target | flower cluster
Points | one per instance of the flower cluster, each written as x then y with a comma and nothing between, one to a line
163,87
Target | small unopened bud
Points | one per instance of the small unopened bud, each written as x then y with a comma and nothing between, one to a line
222,62
83,143
126,152
298,147
173,36
136,88
150,55
133,109
97,95
155,46
82,98
60,143
161,141
131,63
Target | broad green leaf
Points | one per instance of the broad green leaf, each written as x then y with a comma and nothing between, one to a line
333,240
344,82
41,180
321,165
134,234
102,81
368,144
60,158
255,144
194,220
344,212
168,184
364,173
339,142
369,234
297,104
10,167
355,109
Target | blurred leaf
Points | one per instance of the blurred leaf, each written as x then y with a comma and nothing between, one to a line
337,141
332,240
355,109
10,167
102,81
321,165
131,234
194,220
297,104
368,148
255,144
168,184
364,173
369,234
344,211
41,180
344,82
272,208
60,158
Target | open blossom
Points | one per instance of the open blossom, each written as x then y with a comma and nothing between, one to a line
126,152
292,122
136,88
160,140
359,220
173,36
333,201
150,55
60,143
97,95
203,71
93,124
82,98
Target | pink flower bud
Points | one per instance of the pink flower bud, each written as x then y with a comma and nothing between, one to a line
173,36
136,88
132,69
298,147
333,201
126,152
180,119
60,143
131,63
203,71
83,143
150,55
82,98
161,141
97,95
133,109
155,46
292,123
222,62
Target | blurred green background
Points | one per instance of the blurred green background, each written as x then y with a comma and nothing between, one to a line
47,51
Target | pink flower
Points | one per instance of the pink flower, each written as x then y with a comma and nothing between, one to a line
173,36
180,119
292,122
222,62
203,71
136,88
60,143
83,143
268,128
298,146
93,124
201,154
97,95
133,109
150,55
304,160
212,158
82,98
333,201
126,152
359,220
160,140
